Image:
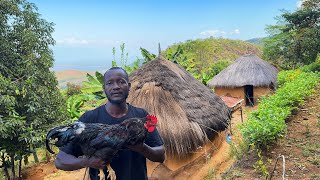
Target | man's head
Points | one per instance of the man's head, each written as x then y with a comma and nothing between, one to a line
116,85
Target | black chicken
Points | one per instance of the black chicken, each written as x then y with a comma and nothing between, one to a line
102,140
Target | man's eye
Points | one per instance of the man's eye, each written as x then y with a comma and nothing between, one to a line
122,82
108,83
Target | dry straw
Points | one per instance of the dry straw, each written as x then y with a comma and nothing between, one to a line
189,113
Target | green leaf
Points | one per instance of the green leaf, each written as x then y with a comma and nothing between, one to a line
99,77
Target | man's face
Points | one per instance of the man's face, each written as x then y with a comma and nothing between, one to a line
116,86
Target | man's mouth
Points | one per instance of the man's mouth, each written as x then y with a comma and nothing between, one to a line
116,94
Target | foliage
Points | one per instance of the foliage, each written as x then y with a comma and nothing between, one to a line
94,85
202,57
210,174
30,101
313,67
147,56
73,89
239,150
215,69
260,166
294,41
74,103
267,123
92,96
124,60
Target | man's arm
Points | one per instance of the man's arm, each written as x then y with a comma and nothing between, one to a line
68,162
155,154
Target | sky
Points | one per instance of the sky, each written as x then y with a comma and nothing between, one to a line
87,30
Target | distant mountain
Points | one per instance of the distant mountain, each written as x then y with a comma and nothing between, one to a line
255,41
71,76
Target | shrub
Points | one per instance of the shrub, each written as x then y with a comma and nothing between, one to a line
267,123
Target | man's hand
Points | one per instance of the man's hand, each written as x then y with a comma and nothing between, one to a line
94,162
68,162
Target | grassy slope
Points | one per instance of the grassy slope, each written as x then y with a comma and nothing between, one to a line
205,52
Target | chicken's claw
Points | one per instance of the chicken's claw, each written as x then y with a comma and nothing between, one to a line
111,173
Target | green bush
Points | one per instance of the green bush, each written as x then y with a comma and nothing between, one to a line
313,67
267,123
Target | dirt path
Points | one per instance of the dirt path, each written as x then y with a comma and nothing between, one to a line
300,147
49,171
221,160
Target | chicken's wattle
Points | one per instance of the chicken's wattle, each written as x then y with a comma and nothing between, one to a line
151,123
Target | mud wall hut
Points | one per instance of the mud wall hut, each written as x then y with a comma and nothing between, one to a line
188,112
249,77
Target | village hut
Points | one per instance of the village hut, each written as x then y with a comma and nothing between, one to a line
189,113
249,77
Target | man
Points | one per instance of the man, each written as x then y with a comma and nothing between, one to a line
129,163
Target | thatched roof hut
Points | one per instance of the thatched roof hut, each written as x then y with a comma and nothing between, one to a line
188,111
247,71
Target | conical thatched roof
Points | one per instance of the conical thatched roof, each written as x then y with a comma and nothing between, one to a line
188,112
246,70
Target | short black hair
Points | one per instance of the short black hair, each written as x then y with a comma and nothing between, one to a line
116,68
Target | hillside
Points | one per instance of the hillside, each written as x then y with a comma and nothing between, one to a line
202,53
72,76
300,147
257,41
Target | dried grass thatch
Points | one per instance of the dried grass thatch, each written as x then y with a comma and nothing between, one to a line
188,111
246,70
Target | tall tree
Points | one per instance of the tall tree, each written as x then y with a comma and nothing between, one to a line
30,101
294,41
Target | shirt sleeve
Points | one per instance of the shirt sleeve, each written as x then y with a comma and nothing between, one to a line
154,139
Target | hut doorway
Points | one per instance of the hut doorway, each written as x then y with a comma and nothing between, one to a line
248,92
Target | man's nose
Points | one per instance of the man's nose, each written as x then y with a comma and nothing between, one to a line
116,86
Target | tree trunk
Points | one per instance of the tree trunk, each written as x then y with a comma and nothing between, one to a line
25,160
4,165
6,172
36,159
12,166
19,172
48,157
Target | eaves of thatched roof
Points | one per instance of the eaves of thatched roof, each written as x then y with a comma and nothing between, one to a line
246,70
188,112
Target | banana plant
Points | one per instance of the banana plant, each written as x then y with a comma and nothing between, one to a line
94,85
75,102
147,56
92,96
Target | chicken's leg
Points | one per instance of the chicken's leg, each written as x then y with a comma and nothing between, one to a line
111,173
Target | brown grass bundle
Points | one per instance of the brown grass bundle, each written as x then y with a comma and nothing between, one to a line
188,112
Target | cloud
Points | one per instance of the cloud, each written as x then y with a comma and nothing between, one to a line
218,33
236,31
209,33
72,41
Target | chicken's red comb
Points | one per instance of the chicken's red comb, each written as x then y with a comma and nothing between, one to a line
153,118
